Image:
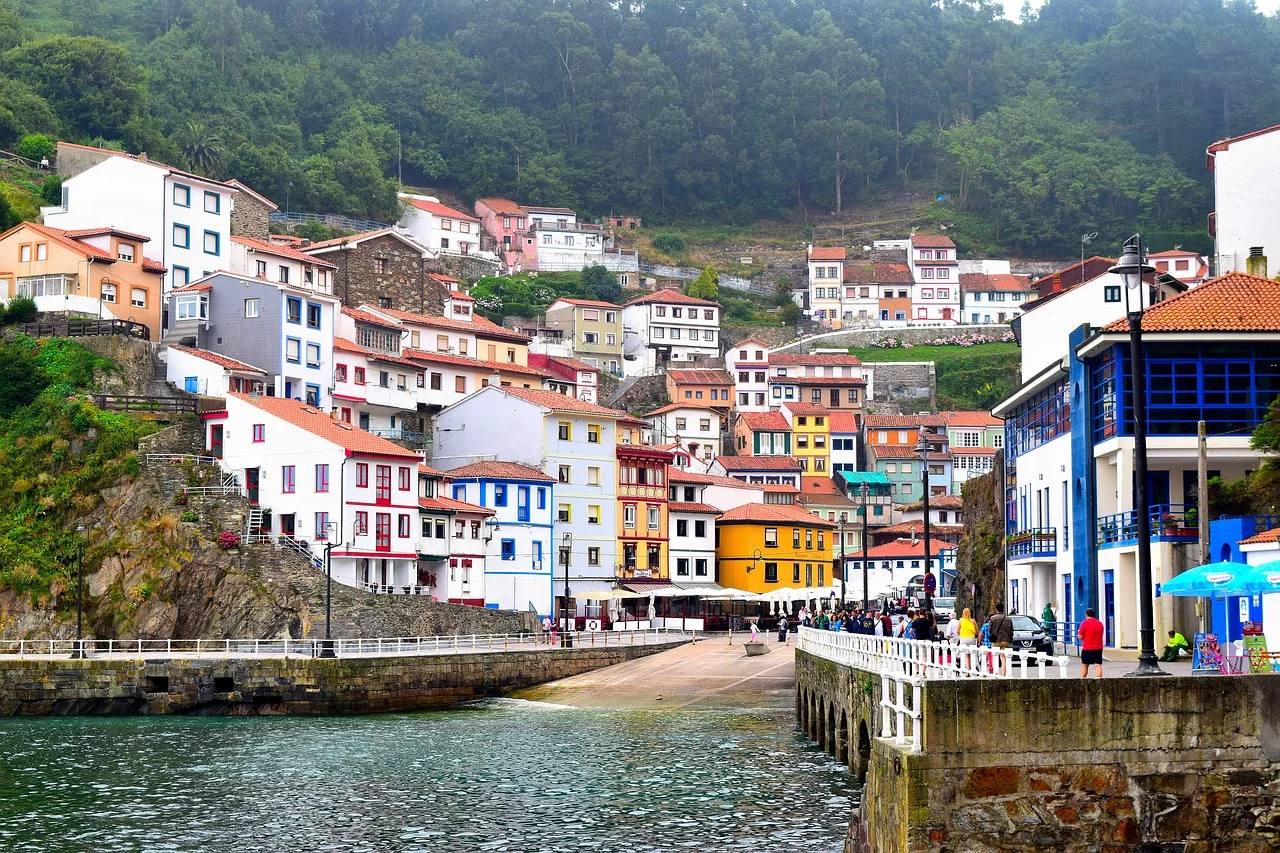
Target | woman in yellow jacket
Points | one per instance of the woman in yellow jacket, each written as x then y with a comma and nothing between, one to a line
967,630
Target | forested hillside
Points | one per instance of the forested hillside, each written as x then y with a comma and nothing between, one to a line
1091,115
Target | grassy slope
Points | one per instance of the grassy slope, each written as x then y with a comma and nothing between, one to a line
22,188
975,377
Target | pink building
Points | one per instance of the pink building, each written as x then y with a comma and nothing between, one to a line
936,284
503,220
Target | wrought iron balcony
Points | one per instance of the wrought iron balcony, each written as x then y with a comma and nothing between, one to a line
1169,523
1037,543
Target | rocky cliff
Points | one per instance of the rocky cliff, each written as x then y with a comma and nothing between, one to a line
980,556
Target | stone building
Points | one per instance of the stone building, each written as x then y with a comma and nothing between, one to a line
383,268
250,212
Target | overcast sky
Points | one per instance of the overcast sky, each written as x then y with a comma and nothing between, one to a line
1012,8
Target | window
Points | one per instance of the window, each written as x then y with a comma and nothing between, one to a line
943,292
293,309
926,293
293,350
700,529
590,338
628,515
359,376
653,517
926,272
212,242
675,334
682,566
499,494
108,293
564,431
251,308
593,476
312,395
313,355
181,195
944,273
288,483
542,498
563,513
682,527
508,549
181,276
1111,293
181,236
593,556
259,433
403,526
593,433
313,315
124,251
563,473
770,572
379,265
593,514
405,479
771,537
212,202
322,478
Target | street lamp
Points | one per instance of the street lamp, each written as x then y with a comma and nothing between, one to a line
844,567
326,648
77,650
866,492
922,447
566,547
1132,268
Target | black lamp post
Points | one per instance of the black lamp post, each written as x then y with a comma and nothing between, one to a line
326,648
77,651
566,547
923,448
844,567
1132,268
866,491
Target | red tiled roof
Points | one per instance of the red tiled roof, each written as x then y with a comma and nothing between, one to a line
699,376
458,294
745,341
879,272
1224,144
825,381
1067,278
758,463
826,253
370,317
671,407
501,205
906,548
902,421
771,421
218,359
66,240
681,506
806,409
671,297
78,233
1264,538
932,241
319,423
902,451
937,502
1235,302
1173,253
248,190
438,209
561,403
916,526
842,421
450,505
571,363
977,282
442,278
773,513
363,236
346,345
813,359
467,361
282,251
970,419
974,451
477,325
149,265
587,303
499,471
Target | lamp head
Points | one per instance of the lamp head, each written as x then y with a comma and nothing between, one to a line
1132,266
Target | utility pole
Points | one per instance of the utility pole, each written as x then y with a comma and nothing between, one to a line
1202,507
866,490
566,639
844,570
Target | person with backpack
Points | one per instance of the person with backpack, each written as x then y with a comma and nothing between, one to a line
1001,634
783,627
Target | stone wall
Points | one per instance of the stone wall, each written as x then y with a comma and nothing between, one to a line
132,357
914,335
905,386
980,561
250,217
251,686
402,284
467,268
1176,763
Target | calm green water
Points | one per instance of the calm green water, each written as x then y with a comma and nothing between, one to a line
506,776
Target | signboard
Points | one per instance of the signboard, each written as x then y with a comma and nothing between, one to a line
1255,646
1205,654
1244,609
930,583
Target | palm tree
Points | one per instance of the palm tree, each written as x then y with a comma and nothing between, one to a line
203,148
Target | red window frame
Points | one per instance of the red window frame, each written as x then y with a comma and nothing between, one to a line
362,475
259,433
322,477
288,479
382,531
382,485
346,415
359,375
340,373
405,480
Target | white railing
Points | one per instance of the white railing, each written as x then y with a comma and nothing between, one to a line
924,659
901,721
341,647
180,457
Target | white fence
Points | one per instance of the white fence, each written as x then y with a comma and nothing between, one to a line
341,647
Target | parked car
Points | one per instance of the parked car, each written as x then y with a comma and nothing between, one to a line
1029,633
944,609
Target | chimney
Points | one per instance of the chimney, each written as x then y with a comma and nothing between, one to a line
1257,262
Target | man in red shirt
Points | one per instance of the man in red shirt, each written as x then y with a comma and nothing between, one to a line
1090,633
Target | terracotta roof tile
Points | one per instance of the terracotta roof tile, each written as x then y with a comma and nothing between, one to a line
450,505
770,513
282,251
937,502
428,357
501,205
699,376
916,526
586,303
370,317
842,421
150,265
364,236
903,421
932,241
758,463
65,239
347,345
1235,302
671,297
771,421
806,409
906,548
977,282
320,424
681,506
813,359
476,325
435,207
561,403
827,253
1263,538
970,419
218,359
824,381
878,272
78,233
499,471
903,451
671,407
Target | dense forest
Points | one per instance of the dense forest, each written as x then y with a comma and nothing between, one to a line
1088,115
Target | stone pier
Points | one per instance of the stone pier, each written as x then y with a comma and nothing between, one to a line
262,685
1184,764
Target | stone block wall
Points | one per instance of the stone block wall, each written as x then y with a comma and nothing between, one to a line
906,385
249,217
386,272
252,686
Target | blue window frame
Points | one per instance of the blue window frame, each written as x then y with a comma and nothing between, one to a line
499,494
459,492
181,236
181,276
292,309
212,243
508,549
182,195
537,555
292,352
212,202
313,395
313,315
313,356
522,503
1039,420
542,498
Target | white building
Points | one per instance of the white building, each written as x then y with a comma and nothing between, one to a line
1187,267
210,374
570,440
826,283
317,481
696,428
748,363
567,247
186,217
935,298
668,326
280,263
691,532
1246,185
438,227
374,386
993,297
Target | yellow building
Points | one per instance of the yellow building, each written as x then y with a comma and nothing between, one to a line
763,547
811,439
642,503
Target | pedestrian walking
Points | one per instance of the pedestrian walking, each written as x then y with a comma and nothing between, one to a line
922,627
1001,634
1091,633
966,629
782,630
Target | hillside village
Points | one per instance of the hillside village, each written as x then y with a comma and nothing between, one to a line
378,422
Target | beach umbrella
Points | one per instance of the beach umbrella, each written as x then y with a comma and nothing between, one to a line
1263,579
1212,580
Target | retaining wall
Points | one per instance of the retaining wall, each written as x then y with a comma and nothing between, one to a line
1183,764
251,686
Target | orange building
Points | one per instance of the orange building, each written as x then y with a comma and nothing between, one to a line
700,386
98,273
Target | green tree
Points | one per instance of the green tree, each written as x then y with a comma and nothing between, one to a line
37,146
203,149
601,283
21,378
92,84
8,217
706,285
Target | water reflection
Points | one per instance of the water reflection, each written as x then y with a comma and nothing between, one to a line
507,775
